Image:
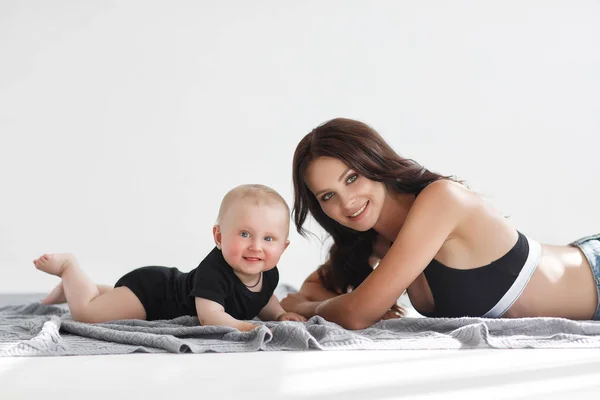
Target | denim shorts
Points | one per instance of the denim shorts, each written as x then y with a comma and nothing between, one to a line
590,246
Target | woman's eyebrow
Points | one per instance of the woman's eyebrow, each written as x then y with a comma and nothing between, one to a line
339,180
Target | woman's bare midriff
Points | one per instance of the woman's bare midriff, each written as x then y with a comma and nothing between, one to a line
562,285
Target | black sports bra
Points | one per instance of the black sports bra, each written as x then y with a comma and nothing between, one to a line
475,292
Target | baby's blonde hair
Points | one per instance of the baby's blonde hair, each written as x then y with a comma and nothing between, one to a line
259,193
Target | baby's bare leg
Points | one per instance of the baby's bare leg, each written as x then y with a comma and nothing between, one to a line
57,295
78,288
85,301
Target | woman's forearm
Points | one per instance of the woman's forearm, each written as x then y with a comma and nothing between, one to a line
342,311
308,309
334,310
299,304
338,309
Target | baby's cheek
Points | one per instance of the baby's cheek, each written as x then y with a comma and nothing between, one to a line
237,246
234,249
272,256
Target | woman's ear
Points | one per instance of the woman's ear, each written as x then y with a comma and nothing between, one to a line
217,236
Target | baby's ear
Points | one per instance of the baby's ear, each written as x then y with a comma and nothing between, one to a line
287,243
217,236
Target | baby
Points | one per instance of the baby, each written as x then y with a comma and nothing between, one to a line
235,282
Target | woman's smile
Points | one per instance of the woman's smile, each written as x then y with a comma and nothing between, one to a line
358,215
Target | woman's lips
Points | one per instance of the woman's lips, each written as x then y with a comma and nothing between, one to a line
360,213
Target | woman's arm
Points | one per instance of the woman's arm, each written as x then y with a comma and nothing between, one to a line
434,216
311,294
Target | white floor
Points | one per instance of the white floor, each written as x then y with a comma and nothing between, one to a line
419,374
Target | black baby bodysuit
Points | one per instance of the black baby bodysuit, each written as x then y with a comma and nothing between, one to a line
215,280
168,293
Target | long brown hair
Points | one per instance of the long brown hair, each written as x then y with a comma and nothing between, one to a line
361,148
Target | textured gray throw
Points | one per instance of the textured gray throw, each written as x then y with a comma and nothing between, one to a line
38,330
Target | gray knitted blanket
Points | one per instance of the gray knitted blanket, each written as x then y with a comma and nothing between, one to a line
38,330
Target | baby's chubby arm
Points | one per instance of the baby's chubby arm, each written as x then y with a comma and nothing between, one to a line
274,312
212,313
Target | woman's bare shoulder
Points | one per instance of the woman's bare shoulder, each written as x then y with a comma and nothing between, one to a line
450,193
440,210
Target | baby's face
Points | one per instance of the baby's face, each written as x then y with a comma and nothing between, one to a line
253,236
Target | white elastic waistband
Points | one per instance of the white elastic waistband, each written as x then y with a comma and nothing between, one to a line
512,294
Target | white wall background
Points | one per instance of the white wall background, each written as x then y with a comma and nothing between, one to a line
123,123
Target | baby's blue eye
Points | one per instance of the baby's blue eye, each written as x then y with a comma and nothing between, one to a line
269,238
351,178
327,196
244,234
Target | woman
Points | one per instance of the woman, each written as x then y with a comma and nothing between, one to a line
453,253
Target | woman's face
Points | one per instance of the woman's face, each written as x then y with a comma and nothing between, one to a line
345,196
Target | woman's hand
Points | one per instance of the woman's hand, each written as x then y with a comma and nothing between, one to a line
297,303
292,300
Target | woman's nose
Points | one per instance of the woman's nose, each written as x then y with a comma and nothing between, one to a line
348,202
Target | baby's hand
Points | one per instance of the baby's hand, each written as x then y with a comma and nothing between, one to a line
291,316
247,326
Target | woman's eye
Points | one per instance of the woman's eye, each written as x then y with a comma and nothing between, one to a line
269,238
351,178
327,196
245,234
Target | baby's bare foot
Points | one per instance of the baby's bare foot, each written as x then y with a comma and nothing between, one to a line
54,264
56,296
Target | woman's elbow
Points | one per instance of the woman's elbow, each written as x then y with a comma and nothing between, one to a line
356,322
350,318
